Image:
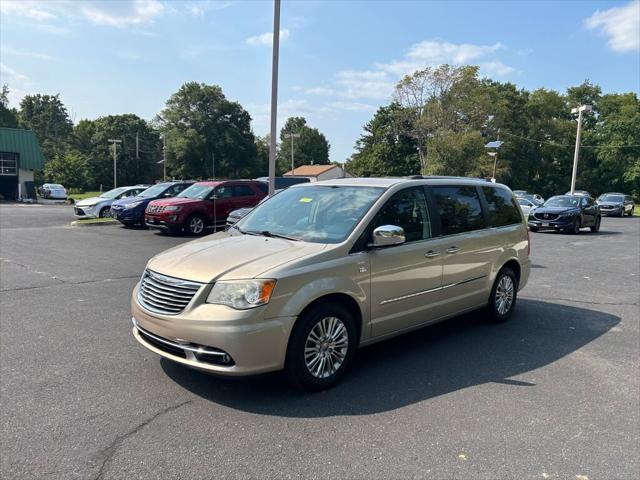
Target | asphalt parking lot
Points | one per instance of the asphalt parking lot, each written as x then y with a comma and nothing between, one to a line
554,393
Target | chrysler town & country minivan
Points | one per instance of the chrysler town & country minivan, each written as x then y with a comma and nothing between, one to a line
323,268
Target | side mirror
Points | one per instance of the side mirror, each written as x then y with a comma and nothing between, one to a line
388,235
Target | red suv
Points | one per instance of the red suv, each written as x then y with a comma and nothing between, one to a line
202,205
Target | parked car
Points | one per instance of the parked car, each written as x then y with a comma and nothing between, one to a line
130,211
100,206
533,197
284,182
324,268
526,206
614,203
203,205
54,191
568,213
520,193
236,215
581,193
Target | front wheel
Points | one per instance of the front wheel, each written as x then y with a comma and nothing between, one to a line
503,296
105,212
575,227
321,347
195,225
596,227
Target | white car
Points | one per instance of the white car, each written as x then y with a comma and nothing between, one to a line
54,191
100,207
527,206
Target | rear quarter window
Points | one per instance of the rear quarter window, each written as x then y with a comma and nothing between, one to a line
459,207
502,208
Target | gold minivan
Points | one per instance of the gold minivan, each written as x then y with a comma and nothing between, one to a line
324,268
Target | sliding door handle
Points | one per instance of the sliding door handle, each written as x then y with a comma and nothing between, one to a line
432,253
453,249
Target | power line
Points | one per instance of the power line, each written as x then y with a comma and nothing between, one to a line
566,145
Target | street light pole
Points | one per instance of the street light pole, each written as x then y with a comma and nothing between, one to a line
292,136
274,96
164,159
576,153
115,160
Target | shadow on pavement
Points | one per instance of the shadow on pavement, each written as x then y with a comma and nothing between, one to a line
436,360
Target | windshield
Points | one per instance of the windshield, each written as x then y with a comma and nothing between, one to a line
197,191
114,193
611,198
56,186
318,214
524,201
154,191
572,201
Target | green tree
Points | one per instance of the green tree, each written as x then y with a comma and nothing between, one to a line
200,123
70,169
48,118
382,150
8,116
311,147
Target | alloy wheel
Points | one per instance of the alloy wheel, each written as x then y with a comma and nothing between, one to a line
196,225
504,294
326,347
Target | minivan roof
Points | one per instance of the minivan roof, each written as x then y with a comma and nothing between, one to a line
386,182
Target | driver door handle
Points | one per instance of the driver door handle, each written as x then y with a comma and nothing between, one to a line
432,253
453,249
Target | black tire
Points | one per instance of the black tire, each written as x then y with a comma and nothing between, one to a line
192,221
496,314
596,227
296,368
533,229
105,212
631,212
575,227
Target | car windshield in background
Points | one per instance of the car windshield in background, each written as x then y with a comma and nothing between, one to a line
55,186
572,201
524,201
114,193
153,191
196,191
318,214
611,198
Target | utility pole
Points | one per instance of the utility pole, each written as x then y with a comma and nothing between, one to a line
576,153
213,166
274,96
292,136
164,159
137,155
114,143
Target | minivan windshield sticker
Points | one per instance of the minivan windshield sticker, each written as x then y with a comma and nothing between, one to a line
305,200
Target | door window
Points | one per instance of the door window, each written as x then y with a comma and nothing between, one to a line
460,209
225,191
406,209
242,191
502,209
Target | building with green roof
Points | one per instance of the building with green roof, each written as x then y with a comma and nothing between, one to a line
20,155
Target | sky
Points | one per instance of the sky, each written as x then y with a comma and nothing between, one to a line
339,60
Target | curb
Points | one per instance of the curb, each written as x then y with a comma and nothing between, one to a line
80,223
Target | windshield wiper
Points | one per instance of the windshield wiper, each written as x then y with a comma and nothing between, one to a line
267,233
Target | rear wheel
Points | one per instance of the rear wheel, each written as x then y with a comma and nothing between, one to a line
596,227
321,346
503,296
195,225
105,212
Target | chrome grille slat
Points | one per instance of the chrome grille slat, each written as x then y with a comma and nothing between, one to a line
167,295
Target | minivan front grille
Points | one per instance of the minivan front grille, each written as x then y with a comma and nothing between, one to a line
166,295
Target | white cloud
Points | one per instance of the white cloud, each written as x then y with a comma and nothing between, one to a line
321,91
364,84
620,24
199,8
6,50
11,75
496,68
266,38
35,10
352,106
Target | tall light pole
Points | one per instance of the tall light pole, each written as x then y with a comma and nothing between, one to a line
576,153
274,96
115,160
292,136
495,144
164,159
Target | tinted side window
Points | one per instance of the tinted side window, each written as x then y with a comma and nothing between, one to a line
263,187
406,209
224,191
459,208
502,209
242,191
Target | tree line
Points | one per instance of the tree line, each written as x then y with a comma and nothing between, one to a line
437,123
200,132
440,120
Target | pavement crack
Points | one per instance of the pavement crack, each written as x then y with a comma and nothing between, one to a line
108,453
63,282
50,276
588,302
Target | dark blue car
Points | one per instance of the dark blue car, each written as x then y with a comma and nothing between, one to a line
130,211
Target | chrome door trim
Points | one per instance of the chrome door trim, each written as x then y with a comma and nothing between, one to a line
424,292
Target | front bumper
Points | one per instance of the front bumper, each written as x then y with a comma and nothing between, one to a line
85,212
612,211
253,343
558,224
127,215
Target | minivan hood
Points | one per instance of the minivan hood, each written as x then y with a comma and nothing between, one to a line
229,256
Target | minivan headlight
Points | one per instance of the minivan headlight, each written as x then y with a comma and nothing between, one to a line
242,294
